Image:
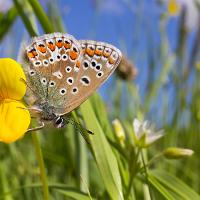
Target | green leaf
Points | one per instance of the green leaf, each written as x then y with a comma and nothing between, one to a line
105,158
73,194
160,188
174,185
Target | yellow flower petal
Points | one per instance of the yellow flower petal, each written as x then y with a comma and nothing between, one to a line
173,7
11,86
14,120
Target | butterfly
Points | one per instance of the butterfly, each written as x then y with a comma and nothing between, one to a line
63,72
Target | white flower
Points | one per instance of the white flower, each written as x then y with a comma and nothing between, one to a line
145,133
190,8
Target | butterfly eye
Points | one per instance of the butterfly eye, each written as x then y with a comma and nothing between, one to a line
59,121
63,91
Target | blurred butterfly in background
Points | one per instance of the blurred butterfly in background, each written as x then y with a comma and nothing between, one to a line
62,73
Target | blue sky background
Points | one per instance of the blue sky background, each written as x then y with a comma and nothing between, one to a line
131,25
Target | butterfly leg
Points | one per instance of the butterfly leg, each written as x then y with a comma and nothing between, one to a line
36,128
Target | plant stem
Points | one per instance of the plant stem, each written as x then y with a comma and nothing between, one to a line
41,15
133,169
146,173
40,160
24,18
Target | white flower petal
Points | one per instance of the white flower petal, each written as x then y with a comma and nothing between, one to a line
137,126
154,136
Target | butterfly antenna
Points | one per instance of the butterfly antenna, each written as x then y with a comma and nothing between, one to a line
78,126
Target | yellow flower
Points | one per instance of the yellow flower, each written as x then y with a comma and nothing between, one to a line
14,120
173,7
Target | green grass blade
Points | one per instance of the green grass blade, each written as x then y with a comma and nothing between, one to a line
41,15
103,153
6,21
160,188
73,194
175,185
24,18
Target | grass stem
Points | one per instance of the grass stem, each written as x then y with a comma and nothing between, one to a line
40,160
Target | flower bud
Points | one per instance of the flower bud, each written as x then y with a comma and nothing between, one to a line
119,131
176,153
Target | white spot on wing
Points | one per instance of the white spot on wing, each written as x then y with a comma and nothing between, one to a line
43,81
63,91
52,83
70,80
58,74
68,69
31,72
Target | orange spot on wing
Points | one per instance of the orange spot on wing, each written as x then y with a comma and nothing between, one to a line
98,52
67,45
90,52
59,44
30,55
51,46
105,54
78,63
42,49
111,61
73,55
34,53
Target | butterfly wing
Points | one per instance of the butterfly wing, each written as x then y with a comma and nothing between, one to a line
98,61
48,62
64,71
